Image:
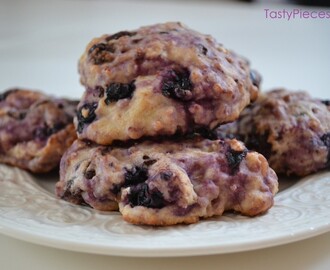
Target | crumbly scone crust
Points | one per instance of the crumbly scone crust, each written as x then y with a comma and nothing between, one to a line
166,183
35,129
292,130
160,80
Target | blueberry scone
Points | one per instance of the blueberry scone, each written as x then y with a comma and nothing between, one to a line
162,79
291,129
168,182
35,129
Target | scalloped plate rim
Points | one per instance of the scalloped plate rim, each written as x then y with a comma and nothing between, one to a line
93,248
202,248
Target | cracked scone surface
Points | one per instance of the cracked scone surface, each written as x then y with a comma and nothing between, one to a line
143,79
35,129
291,129
166,183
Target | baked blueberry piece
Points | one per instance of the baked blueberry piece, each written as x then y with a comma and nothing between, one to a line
166,183
35,129
161,79
291,129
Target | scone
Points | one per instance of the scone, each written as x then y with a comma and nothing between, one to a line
168,182
35,129
291,129
162,79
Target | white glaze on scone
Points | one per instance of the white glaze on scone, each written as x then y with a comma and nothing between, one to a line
166,183
160,80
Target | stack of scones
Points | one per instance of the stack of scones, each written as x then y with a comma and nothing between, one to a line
145,125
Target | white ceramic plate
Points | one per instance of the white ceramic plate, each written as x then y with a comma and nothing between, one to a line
30,211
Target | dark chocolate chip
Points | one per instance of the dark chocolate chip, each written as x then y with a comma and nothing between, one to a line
255,78
234,158
120,34
140,195
177,85
116,91
89,174
136,175
86,114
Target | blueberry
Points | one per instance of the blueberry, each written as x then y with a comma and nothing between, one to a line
205,133
86,114
74,196
116,189
326,102
57,127
234,158
203,49
44,132
255,78
135,176
89,174
326,140
140,195
97,48
120,34
41,133
177,85
259,143
101,53
99,91
225,134
116,91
